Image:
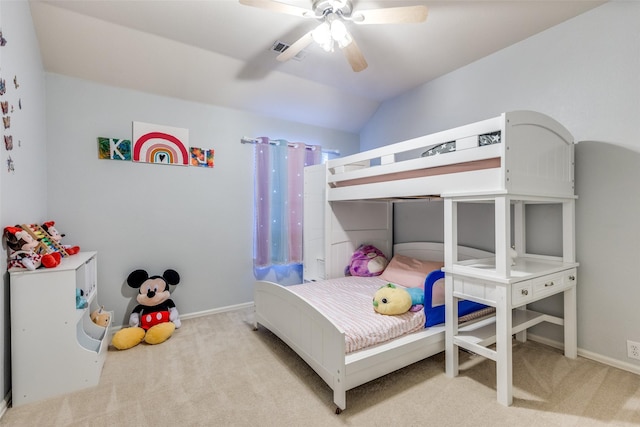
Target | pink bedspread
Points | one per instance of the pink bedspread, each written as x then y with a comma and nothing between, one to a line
348,303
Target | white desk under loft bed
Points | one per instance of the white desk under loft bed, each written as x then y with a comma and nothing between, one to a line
498,283
532,163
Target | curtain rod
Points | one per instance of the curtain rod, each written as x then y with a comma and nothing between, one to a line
247,140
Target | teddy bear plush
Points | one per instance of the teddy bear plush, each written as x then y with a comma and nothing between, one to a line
22,251
393,300
156,317
100,317
367,261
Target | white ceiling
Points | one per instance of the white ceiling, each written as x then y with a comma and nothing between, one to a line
218,51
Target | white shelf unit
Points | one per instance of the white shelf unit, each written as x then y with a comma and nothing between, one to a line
508,288
55,347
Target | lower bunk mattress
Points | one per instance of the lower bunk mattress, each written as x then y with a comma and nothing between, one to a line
348,303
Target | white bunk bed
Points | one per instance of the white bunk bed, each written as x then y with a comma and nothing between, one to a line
349,202
534,157
321,343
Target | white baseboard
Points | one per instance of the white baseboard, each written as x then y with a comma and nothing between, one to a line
202,313
588,354
218,310
4,405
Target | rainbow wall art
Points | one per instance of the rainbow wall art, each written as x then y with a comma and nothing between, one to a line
160,144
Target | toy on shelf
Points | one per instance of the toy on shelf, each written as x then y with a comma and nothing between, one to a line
100,317
47,244
56,236
26,252
155,317
81,301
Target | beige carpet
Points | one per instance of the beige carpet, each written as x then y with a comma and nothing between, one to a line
216,371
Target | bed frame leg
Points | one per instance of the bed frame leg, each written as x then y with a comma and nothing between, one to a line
340,399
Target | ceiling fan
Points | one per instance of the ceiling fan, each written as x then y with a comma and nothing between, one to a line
334,16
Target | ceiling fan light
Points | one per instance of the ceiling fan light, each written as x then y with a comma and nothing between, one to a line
338,4
322,36
345,41
338,30
328,46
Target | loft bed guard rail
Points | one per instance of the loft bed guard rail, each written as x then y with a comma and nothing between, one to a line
517,152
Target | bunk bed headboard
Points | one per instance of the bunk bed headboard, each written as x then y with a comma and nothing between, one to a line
539,155
351,224
432,251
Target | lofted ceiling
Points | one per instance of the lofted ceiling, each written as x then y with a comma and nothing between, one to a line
219,51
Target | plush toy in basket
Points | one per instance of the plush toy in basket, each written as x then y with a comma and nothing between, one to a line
393,300
155,317
100,317
366,261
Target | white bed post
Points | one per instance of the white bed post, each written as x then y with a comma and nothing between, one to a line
519,221
568,231
451,309
340,391
520,245
504,351
503,235
570,299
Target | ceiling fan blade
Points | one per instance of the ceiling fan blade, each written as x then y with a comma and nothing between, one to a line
391,15
355,57
296,47
277,6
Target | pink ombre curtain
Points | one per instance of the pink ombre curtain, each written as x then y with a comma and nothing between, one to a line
279,195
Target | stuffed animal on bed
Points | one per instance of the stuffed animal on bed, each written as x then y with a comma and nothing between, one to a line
155,317
393,300
366,261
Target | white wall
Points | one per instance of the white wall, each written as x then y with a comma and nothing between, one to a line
583,73
23,195
586,74
196,220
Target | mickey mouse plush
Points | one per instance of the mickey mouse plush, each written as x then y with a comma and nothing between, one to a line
22,251
155,317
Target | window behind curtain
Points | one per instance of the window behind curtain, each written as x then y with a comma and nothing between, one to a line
278,205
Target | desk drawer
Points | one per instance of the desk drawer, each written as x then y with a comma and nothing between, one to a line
521,293
541,287
554,283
